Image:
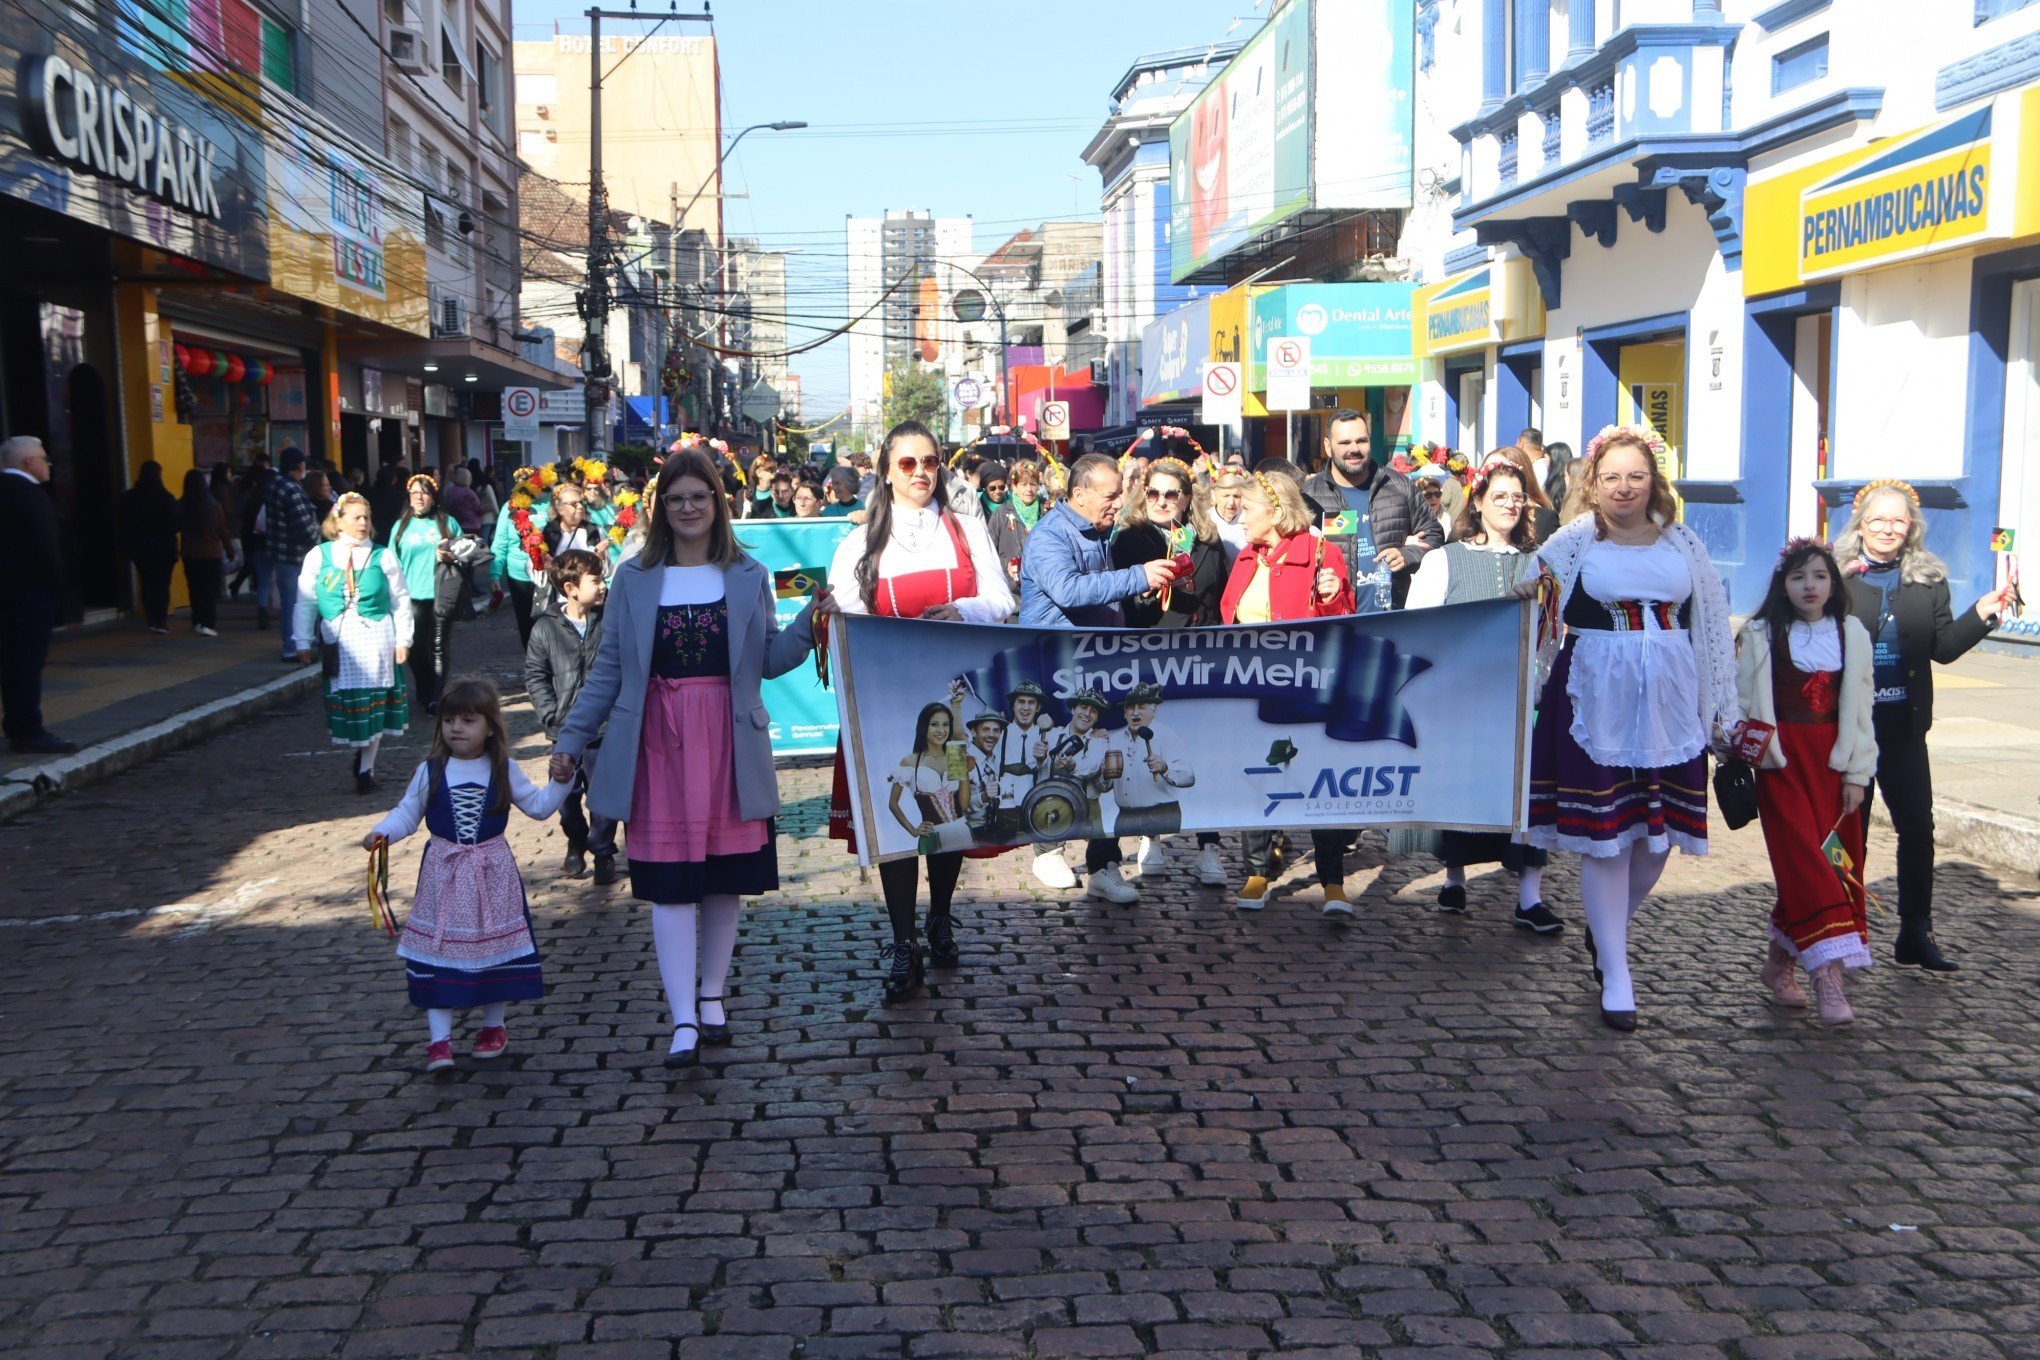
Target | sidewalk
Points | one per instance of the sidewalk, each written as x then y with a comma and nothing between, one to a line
125,695
1986,747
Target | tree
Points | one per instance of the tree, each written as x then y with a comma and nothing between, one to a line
912,393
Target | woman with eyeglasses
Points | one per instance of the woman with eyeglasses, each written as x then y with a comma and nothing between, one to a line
914,559
1486,556
689,634
1644,684
1899,592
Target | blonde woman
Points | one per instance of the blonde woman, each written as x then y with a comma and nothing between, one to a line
353,608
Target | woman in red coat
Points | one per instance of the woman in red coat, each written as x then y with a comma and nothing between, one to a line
1287,572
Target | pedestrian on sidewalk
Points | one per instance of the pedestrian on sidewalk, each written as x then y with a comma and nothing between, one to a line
353,609
913,559
1067,580
31,559
1287,572
148,538
251,524
421,541
291,526
1899,591
564,644
510,557
1643,686
1491,545
203,539
689,634
468,941
1803,668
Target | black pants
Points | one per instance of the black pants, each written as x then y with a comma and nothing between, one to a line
901,879
431,651
27,618
520,602
1100,854
252,546
1329,846
155,590
595,834
1905,777
203,575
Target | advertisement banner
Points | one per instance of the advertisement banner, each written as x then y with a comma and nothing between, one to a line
960,735
1363,156
1239,156
797,553
1360,333
1173,349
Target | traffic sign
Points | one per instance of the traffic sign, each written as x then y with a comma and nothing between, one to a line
1221,393
969,393
520,413
1288,373
1055,420
761,403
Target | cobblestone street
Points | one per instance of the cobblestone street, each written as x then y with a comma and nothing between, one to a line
1166,1130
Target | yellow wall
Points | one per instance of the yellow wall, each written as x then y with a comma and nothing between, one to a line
145,371
1653,392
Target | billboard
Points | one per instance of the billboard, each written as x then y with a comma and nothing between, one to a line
1173,349
1360,333
1239,156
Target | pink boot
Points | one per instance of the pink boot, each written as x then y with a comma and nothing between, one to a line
1829,1003
1778,976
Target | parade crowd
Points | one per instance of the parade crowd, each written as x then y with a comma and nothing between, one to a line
649,632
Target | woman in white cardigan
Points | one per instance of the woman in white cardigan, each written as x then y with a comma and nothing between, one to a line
1643,685
1803,668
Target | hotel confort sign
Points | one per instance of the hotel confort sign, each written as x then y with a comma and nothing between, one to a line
88,131
1958,184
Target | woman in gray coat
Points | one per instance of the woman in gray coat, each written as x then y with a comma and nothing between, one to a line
688,636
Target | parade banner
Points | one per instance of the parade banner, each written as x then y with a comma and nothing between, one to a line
960,736
797,553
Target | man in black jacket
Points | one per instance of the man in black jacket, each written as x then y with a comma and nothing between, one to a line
30,598
556,662
1391,529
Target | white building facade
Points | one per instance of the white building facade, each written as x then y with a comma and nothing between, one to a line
908,249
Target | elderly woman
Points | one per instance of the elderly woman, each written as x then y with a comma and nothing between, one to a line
1287,572
1644,684
1228,508
353,607
1899,591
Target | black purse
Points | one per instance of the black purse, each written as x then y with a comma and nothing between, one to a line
1735,792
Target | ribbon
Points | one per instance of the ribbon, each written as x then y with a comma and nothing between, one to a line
380,913
1837,855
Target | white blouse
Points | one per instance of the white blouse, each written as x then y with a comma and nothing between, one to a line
532,801
918,542
690,585
1434,575
1635,693
1815,646
306,624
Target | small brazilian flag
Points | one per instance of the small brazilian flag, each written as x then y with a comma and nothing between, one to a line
1839,857
1181,538
792,583
2001,540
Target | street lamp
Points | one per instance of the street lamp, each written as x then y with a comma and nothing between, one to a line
785,125
968,308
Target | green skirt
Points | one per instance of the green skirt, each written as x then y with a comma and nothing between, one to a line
356,717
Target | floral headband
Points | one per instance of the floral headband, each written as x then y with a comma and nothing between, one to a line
423,479
1651,440
1884,484
1267,485
1476,485
1803,541
1175,466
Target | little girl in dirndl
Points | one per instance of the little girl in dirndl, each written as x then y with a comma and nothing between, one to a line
468,939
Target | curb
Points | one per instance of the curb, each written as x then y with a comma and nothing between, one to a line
1999,838
30,786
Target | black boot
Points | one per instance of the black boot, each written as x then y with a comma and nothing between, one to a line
605,870
1916,948
576,862
942,950
364,780
903,975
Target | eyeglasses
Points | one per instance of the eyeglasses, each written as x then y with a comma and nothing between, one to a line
1155,493
1889,526
697,501
1611,480
1506,498
994,488
910,463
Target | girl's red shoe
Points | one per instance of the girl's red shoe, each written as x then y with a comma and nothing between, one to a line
491,1040
439,1056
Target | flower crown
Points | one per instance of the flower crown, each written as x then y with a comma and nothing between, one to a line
424,479
1884,484
1793,545
1177,466
1652,441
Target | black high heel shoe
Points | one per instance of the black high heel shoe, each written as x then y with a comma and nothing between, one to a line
714,1034
691,1056
904,974
942,950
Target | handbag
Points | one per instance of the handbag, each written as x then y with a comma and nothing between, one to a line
1735,792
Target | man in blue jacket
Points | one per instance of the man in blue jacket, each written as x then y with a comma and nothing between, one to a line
1067,580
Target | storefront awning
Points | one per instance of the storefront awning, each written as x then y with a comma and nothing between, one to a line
1490,305
494,369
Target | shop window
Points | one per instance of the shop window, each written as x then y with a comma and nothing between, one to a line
1987,10
1799,65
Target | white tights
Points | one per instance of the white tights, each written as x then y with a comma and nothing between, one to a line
694,942
441,1022
364,756
1611,889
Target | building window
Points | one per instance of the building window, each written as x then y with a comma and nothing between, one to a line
224,36
1799,65
1987,10
449,61
489,88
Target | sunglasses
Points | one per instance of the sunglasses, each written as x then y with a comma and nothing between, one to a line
1157,494
910,463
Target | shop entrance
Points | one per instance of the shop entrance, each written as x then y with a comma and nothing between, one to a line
2019,487
1651,390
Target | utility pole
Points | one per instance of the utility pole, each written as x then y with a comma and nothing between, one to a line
597,373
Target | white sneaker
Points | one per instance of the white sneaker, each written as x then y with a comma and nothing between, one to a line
1149,860
1053,870
1111,885
1210,872
203,631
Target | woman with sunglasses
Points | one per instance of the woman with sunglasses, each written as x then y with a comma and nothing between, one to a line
914,559
1487,554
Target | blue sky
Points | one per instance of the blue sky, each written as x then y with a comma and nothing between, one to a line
949,108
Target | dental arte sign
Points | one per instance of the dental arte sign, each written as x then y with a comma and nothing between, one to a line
97,127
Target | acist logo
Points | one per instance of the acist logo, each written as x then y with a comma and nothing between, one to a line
96,127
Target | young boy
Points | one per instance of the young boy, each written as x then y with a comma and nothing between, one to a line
562,648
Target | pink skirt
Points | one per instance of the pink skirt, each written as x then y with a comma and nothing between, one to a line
684,801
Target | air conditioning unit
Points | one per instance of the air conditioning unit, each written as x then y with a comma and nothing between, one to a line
1101,372
450,317
545,110
407,50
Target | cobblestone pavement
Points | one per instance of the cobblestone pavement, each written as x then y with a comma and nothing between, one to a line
1164,1130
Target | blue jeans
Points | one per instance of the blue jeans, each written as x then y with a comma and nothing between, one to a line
286,574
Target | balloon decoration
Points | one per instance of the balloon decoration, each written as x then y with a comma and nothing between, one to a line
198,362
236,368
183,358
